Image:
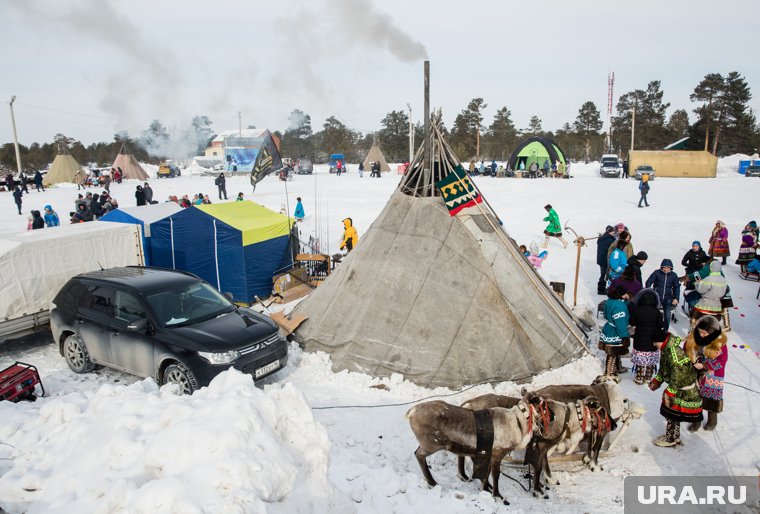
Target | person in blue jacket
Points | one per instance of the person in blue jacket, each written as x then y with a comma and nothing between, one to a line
51,217
614,339
665,283
298,214
618,260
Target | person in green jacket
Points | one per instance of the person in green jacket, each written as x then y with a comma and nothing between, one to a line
554,228
681,400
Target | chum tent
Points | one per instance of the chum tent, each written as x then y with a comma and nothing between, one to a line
237,247
538,150
64,169
144,216
460,304
375,154
130,168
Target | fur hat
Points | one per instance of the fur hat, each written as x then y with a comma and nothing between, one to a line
709,324
616,292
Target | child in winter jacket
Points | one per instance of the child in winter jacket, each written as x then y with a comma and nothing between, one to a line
707,349
614,338
618,261
646,318
554,228
51,217
681,400
711,289
667,286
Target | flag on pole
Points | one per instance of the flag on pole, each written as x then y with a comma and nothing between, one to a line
457,190
267,161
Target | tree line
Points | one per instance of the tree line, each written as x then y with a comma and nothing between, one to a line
724,124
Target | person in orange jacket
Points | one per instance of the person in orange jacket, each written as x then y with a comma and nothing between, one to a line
350,236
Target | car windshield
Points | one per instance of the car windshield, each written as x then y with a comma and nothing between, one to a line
188,305
645,168
610,162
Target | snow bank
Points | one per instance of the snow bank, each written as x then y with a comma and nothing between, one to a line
729,165
229,448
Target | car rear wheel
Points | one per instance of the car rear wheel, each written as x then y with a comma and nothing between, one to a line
76,354
179,374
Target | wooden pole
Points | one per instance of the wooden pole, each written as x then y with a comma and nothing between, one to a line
579,243
427,161
707,124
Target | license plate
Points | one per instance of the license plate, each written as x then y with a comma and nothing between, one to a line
266,369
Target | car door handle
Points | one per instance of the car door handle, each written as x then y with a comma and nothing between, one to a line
80,320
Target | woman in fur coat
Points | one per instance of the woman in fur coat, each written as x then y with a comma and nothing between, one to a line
719,242
706,347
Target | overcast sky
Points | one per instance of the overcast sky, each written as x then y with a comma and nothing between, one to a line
88,68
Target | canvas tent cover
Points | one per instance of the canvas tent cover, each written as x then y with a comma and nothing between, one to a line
375,154
37,263
441,300
64,169
538,150
235,246
143,215
676,163
130,168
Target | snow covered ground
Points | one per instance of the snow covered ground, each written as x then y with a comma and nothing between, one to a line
109,442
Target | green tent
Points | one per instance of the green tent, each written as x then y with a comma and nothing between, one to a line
538,150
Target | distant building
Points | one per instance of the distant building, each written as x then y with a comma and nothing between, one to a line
237,149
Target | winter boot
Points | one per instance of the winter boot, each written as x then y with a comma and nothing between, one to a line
726,321
619,368
677,433
669,439
640,372
712,420
649,373
609,366
694,427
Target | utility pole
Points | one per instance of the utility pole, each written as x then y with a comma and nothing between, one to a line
240,124
633,126
15,137
610,89
411,134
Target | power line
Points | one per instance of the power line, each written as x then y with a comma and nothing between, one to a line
65,112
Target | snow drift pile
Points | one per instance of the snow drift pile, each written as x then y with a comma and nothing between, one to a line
230,448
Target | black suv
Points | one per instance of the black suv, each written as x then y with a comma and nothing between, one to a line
159,323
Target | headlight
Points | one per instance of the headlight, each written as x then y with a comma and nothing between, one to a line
220,358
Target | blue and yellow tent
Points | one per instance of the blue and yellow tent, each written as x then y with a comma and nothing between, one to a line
236,246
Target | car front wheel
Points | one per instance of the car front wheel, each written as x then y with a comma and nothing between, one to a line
179,374
77,356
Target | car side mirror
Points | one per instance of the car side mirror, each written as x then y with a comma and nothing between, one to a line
138,325
228,295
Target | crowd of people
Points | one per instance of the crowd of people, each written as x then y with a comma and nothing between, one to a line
641,312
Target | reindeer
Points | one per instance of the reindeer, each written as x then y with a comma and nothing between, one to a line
611,402
573,422
438,425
